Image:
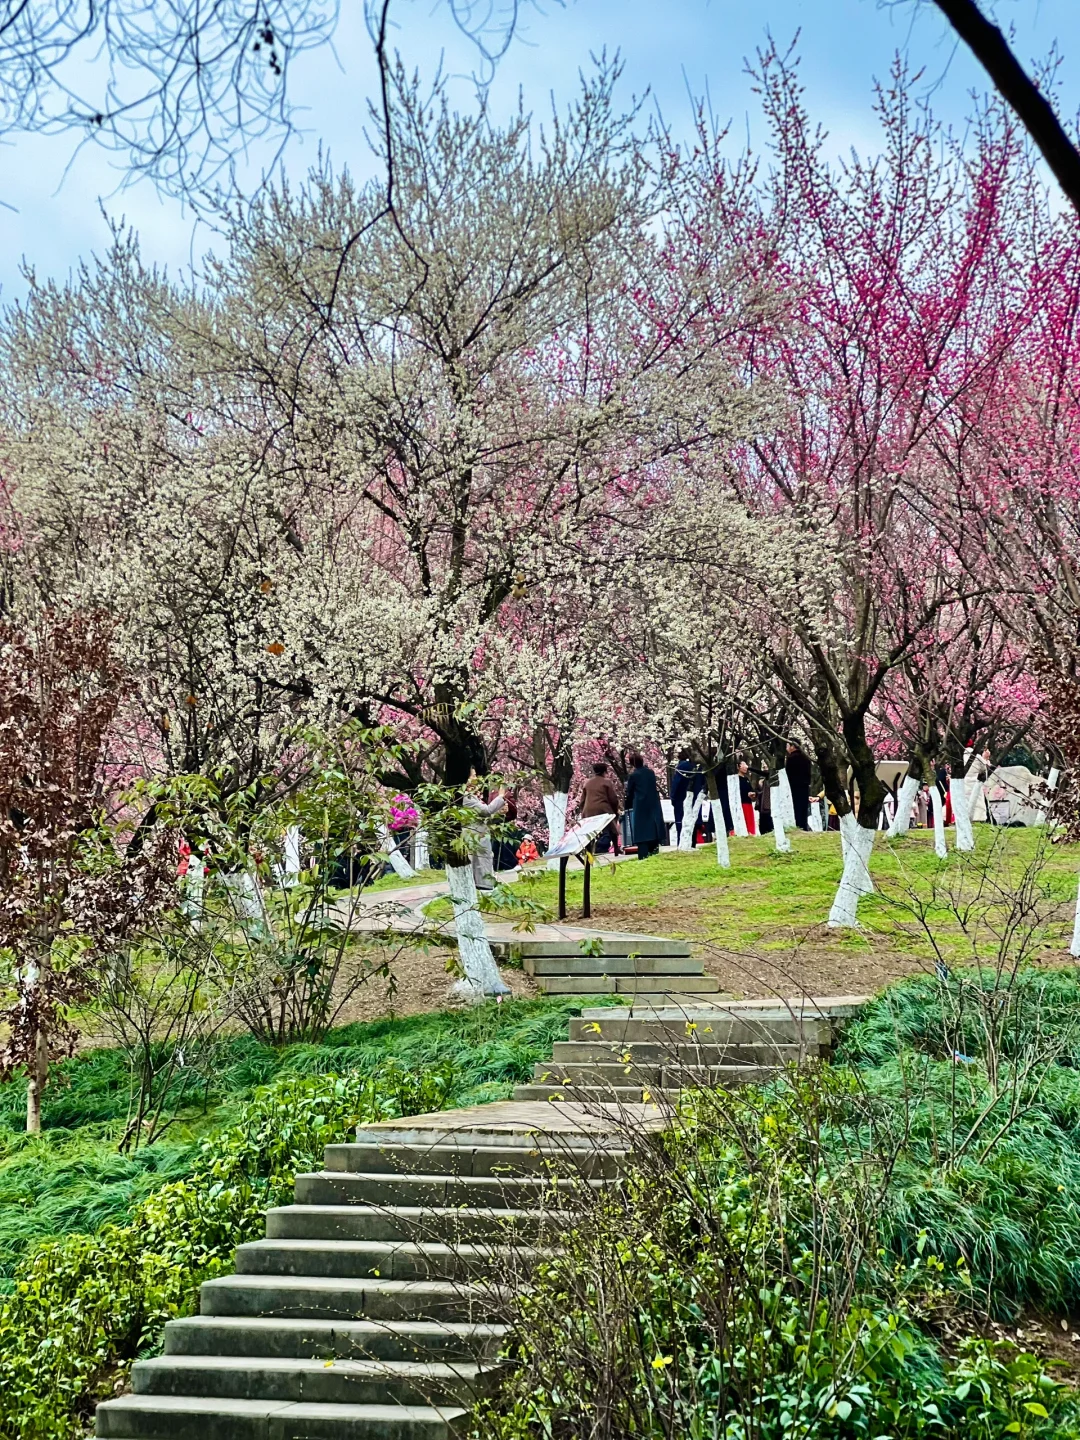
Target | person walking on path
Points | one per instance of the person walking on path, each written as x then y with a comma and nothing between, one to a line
797,766
643,802
600,796
747,798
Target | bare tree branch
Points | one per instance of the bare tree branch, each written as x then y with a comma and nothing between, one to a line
1016,87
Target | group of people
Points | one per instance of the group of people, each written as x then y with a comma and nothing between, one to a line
647,829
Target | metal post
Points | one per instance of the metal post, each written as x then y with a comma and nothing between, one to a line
586,906
562,886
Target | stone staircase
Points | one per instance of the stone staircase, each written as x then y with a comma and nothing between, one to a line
367,1312
614,965
649,1053
371,1309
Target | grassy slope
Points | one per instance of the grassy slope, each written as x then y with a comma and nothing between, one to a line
765,898
72,1179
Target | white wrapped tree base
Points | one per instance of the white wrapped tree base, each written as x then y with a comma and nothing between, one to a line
192,890
691,810
723,851
783,844
855,879
555,813
421,854
958,794
783,804
1051,785
398,863
249,905
814,817
481,978
849,828
738,819
292,854
905,805
941,848
1074,948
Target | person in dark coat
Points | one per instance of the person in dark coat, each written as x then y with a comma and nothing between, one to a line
747,796
643,801
764,803
599,796
797,766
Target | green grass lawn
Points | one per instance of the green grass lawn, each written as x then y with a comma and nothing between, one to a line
768,911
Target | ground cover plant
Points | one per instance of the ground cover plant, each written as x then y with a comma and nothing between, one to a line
136,1234
71,1178
832,1254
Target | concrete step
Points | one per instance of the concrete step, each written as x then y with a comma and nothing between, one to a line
191,1417
334,1187
714,1028
321,1382
368,1156
611,944
378,1259
666,1076
403,1222
620,1095
327,1297
641,1052
628,984
310,1339
613,965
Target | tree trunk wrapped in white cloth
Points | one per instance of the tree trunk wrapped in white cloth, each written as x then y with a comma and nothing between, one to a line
958,794
941,847
738,819
905,805
481,978
855,879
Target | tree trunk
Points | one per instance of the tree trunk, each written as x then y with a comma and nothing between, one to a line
855,878
293,843
39,1073
864,769
463,748
958,794
784,805
689,820
905,804
482,978
738,819
398,861
941,848
783,844
723,853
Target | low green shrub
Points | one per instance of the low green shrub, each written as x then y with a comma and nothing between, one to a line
85,1306
764,1272
71,1178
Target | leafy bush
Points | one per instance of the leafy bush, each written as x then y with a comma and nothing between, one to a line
735,1286
72,1179
84,1307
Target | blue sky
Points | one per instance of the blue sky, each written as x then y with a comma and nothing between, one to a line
671,49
